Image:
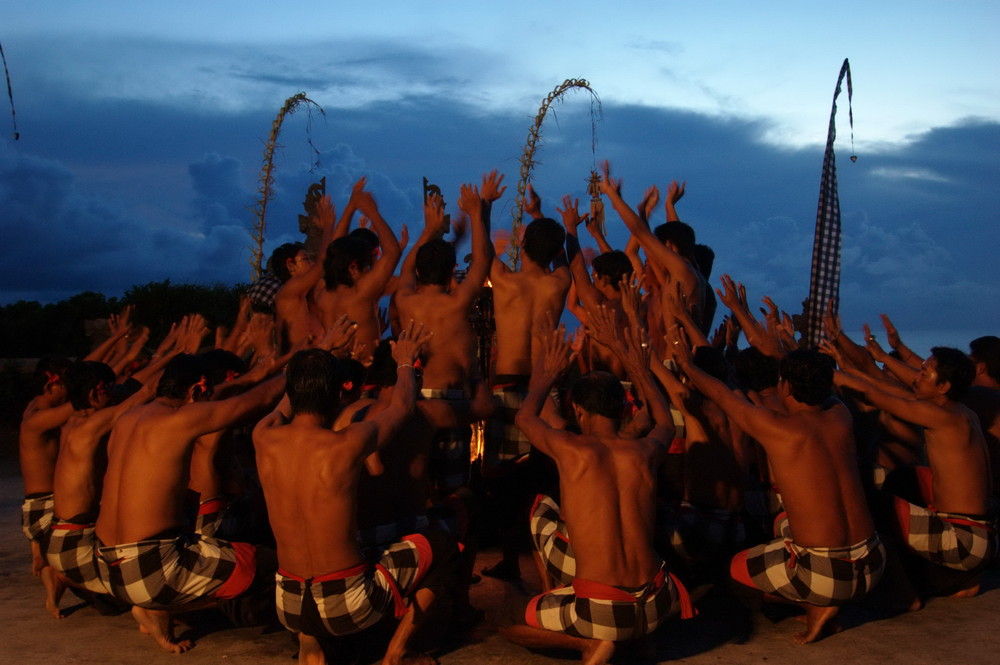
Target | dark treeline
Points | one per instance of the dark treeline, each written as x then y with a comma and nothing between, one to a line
29,329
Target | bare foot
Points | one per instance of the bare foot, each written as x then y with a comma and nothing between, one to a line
598,653
157,624
310,652
54,588
969,589
38,562
819,621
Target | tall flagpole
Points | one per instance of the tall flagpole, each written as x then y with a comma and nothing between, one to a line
824,281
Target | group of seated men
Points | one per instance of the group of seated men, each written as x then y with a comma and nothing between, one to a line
314,465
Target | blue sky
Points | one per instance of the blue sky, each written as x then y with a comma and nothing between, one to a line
142,128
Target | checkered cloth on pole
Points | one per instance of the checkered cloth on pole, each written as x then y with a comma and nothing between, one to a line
824,282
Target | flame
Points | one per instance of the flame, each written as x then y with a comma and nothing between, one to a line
478,443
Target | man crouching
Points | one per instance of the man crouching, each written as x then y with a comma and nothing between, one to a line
309,473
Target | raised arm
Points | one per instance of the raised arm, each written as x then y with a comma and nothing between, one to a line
299,285
434,227
674,263
405,351
553,358
589,295
759,422
372,283
733,296
908,408
471,202
896,342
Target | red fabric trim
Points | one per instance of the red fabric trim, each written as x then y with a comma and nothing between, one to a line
534,504
211,506
69,526
678,446
398,602
531,611
688,610
738,570
242,577
601,591
777,518
338,575
965,522
902,516
425,555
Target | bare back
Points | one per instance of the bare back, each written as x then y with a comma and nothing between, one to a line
310,478
38,447
360,308
814,462
608,489
78,471
520,299
149,456
450,354
959,458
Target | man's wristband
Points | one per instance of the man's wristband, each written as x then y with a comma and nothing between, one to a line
399,367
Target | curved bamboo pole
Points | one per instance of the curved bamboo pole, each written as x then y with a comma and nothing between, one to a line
528,159
266,188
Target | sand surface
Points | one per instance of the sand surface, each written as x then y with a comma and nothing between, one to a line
946,631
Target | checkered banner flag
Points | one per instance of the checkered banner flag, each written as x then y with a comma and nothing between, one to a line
824,282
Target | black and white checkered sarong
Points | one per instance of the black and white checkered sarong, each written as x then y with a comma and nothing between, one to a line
551,539
36,516
159,574
72,550
821,576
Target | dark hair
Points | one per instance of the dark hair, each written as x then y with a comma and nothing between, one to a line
182,372
340,256
281,256
599,393
704,258
614,265
543,239
711,361
678,233
986,350
809,374
366,236
84,376
222,365
315,380
382,371
955,367
754,370
49,369
436,262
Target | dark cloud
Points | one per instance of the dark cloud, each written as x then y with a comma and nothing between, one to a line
106,195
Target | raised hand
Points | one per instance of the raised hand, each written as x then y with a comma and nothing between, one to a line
325,214
570,215
675,192
649,201
609,186
555,354
892,335
339,336
407,347
469,200
532,203
491,189
434,219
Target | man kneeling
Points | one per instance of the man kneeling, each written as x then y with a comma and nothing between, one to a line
309,473
620,589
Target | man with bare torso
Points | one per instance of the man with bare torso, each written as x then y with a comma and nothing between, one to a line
353,281
295,321
145,555
38,448
956,526
310,475
983,398
80,470
520,298
827,552
618,588
427,292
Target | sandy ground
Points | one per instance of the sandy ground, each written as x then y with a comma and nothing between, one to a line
949,631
